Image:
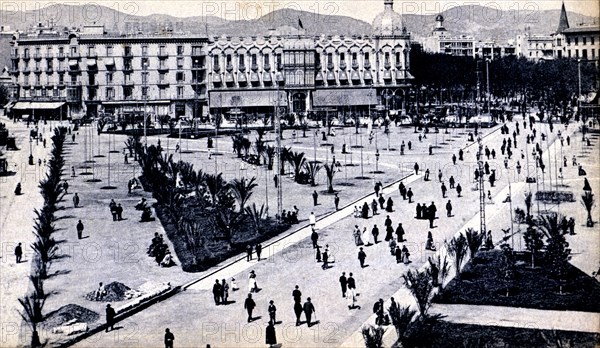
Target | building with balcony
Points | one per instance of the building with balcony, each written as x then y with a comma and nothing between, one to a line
94,72
577,42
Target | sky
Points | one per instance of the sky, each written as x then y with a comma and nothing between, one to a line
365,10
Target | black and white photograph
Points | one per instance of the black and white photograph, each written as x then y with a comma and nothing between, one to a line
310,174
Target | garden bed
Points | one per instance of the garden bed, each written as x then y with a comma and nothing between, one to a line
445,334
215,249
481,283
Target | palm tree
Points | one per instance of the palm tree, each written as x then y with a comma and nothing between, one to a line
528,201
215,184
330,171
312,169
587,200
438,269
269,155
32,315
549,225
373,336
420,286
286,153
257,216
401,318
474,241
534,242
457,248
297,160
242,190
259,146
45,250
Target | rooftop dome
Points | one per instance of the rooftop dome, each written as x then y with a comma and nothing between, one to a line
388,22
439,18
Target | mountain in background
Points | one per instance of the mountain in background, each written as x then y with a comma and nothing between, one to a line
481,22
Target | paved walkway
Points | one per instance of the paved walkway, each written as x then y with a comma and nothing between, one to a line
16,223
526,318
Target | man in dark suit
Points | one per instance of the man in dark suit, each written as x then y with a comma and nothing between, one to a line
249,305
169,338
217,292
309,309
343,283
297,294
110,317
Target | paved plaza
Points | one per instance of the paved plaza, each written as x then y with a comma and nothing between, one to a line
116,251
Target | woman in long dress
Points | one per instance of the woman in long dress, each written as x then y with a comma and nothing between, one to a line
366,237
252,286
357,239
405,255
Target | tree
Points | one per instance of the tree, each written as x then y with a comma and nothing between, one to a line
533,242
297,161
312,169
420,286
401,318
587,200
215,185
373,336
269,155
457,248
557,257
507,267
32,315
474,241
330,171
257,216
242,190
438,269
528,201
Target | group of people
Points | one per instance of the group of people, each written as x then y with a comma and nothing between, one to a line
116,210
160,251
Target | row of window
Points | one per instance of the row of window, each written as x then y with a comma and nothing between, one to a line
91,50
583,39
110,93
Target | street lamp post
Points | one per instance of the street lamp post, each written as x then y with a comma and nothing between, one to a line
579,85
145,96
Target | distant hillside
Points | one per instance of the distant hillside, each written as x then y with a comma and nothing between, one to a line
477,21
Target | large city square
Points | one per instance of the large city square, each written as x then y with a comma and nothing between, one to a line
379,214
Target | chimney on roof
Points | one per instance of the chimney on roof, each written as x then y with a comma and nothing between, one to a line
563,22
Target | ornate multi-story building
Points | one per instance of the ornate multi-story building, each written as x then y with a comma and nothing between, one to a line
92,72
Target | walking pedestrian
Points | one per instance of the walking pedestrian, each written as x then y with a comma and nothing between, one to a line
454,159
389,205
458,189
65,186
248,252
389,233
249,305
429,244
381,201
426,178
325,255
440,175
297,294
80,230
405,255
451,181
217,292
314,237
312,219
449,209
272,312
344,283
309,309
76,200
315,196
351,285
276,180
169,338
416,167
361,257
119,210
258,251
336,201
18,253
460,155
375,233
409,194
431,214
400,233
110,317
224,291
444,190
270,335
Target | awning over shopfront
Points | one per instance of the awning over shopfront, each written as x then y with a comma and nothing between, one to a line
37,105
109,61
91,62
267,76
354,75
238,99
73,62
242,77
216,78
254,77
344,97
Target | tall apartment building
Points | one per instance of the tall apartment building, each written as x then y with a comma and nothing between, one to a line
93,72
440,41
